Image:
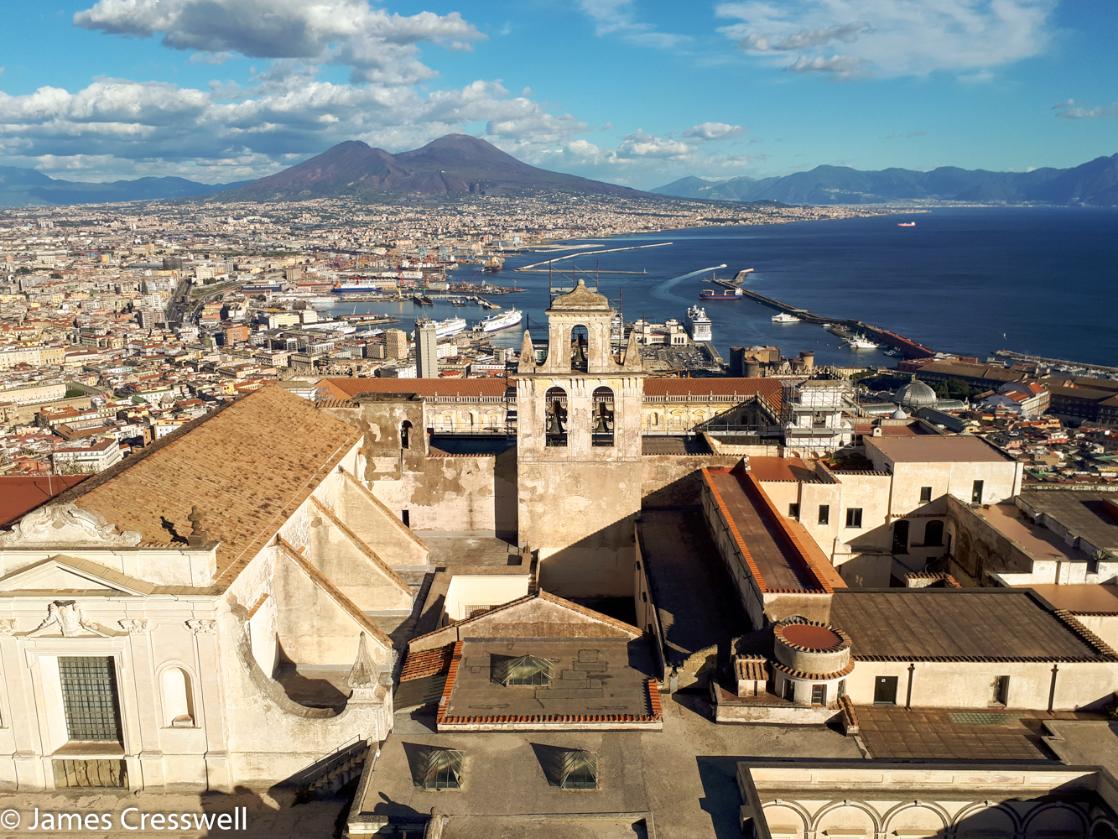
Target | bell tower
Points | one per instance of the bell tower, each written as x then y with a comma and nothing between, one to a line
579,449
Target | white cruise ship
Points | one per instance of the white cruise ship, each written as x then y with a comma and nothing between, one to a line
504,320
700,324
448,327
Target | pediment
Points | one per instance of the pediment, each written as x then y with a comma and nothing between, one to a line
545,614
60,574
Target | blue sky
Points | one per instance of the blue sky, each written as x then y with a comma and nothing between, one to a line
633,91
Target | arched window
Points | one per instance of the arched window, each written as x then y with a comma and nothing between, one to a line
933,533
580,349
602,429
405,434
555,421
178,700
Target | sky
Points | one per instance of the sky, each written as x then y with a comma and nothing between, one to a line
638,92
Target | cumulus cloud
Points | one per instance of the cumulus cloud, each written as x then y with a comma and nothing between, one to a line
252,130
889,38
376,44
1070,109
618,18
713,131
642,144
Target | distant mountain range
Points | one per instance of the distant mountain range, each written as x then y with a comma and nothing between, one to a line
25,187
450,167
1094,183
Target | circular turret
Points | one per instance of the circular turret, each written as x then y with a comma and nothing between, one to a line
812,661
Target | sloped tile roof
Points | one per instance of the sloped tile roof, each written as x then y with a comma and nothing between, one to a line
247,468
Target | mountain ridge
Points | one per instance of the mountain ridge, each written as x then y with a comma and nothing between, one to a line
452,166
1094,183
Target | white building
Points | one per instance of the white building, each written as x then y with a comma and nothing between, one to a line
92,457
208,614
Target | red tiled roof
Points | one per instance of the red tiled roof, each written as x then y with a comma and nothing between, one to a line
423,663
674,386
349,388
20,495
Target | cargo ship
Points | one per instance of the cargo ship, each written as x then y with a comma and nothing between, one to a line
494,264
720,294
504,320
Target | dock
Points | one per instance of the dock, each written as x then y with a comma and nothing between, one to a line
902,344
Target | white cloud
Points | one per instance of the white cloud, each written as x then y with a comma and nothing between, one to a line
1071,109
713,131
249,131
641,144
889,38
376,44
618,18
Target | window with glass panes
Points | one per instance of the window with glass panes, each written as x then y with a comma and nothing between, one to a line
89,697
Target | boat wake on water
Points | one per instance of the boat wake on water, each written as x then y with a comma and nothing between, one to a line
663,290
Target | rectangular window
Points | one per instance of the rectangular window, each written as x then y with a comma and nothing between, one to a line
854,517
790,690
925,495
885,690
793,511
824,513
89,698
976,493
818,694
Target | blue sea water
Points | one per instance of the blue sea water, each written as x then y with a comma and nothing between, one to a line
1042,281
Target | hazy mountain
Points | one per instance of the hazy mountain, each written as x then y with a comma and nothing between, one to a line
451,166
23,187
1094,183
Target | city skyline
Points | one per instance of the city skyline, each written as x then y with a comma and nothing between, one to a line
628,92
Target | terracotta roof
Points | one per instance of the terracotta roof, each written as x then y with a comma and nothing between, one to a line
781,469
421,664
247,467
20,495
961,448
349,388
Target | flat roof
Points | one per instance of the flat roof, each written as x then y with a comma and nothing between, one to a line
944,624
1081,598
936,448
659,444
591,677
1092,516
785,555
782,469
348,388
1039,543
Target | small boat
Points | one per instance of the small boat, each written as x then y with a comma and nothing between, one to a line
860,342
906,224
784,317
723,294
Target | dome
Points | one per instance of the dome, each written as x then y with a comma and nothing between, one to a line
899,414
916,394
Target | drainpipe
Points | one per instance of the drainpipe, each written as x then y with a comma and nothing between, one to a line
1052,688
908,695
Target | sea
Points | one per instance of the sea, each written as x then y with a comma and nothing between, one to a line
1042,281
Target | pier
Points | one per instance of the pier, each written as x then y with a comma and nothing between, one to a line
904,345
549,262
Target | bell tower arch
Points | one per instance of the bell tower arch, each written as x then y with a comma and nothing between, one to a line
579,449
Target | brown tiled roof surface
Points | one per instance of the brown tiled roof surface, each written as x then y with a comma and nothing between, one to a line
246,467
350,388
424,663
943,624
20,495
